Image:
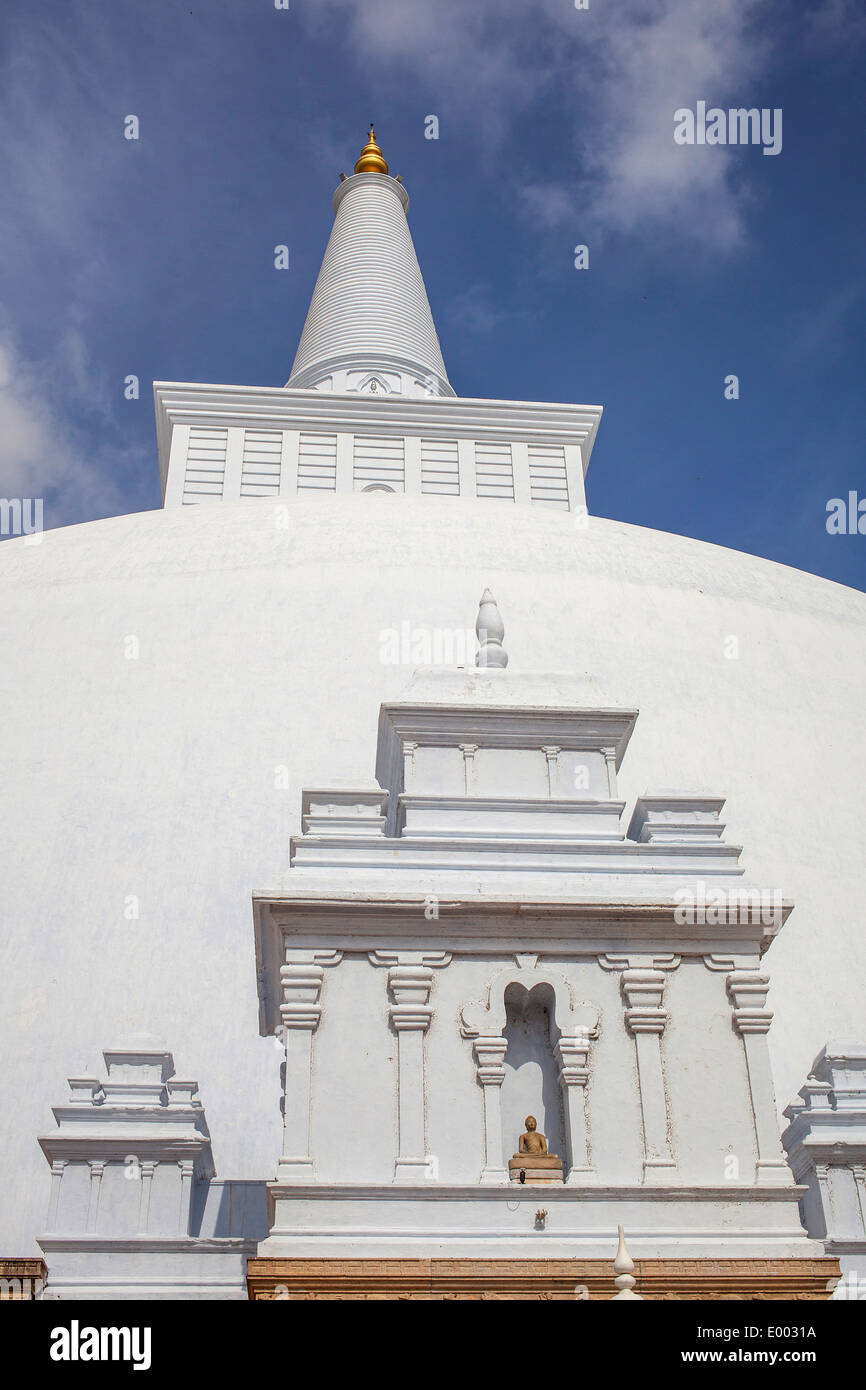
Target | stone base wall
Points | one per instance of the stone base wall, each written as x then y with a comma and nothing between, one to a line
538,1279
21,1280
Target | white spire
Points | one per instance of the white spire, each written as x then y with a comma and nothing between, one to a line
369,325
623,1266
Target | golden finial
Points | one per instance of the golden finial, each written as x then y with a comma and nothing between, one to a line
371,161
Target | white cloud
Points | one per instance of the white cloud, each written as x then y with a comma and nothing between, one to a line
42,450
618,75
475,310
837,24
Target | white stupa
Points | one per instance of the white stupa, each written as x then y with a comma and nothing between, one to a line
383,902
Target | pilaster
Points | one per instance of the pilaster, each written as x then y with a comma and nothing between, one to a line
468,750
97,1169
410,981
572,1058
609,754
551,753
301,981
489,1057
643,984
187,1168
147,1168
747,990
57,1168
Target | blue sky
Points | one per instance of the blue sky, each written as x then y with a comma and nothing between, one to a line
155,256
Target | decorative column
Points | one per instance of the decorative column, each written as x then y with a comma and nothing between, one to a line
186,1166
301,979
859,1171
410,986
572,1056
468,750
97,1168
747,990
409,751
57,1167
410,980
610,768
551,752
146,1171
490,1055
822,1174
643,990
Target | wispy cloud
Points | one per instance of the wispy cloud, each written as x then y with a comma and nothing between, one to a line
837,25
43,452
476,310
618,74
64,172
823,330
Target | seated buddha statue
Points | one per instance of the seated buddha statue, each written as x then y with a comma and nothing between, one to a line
532,1162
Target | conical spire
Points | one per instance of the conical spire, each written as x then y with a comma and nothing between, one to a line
369,325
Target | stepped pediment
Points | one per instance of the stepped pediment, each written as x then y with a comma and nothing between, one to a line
475,771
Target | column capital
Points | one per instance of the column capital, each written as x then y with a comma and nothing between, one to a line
489,1056
572,1057
409,986
747,991
301,981
643,991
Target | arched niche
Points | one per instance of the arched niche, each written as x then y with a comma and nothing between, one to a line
495,1026
531,1084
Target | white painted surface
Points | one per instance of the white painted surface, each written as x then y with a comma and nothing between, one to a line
224,443
484,1223
826,1145
176,778
369,322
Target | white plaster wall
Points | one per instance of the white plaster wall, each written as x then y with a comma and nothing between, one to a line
260,649
354,1107
706,1079
354,1111
455,1105
613,1116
